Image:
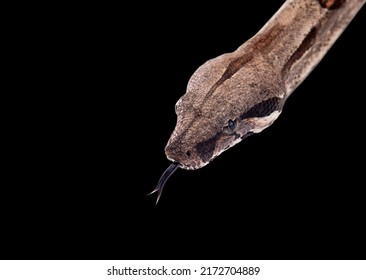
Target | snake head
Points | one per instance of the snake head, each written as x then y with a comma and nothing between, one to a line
227,99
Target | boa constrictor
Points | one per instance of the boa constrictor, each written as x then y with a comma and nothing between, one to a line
241,93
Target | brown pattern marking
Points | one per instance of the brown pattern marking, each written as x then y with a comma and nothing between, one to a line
305,45
266,39
233,67
331,4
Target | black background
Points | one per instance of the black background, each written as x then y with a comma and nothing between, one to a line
95,117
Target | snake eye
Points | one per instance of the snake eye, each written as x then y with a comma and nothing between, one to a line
231,125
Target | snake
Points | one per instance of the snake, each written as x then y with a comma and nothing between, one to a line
241,93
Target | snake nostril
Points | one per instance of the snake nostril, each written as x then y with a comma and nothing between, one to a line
188,153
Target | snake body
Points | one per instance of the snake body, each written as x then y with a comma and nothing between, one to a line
241,93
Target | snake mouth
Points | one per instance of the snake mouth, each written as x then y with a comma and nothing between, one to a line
193,167
190,165
169,172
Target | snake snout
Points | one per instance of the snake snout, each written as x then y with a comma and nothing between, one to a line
187,157
177,153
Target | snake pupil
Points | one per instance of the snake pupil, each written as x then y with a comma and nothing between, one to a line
231,125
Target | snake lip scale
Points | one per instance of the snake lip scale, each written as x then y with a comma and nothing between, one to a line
239,94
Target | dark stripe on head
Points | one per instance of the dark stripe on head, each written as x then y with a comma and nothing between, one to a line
205,149
236,64
262,109
233,67
264,42
331,4
304,46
